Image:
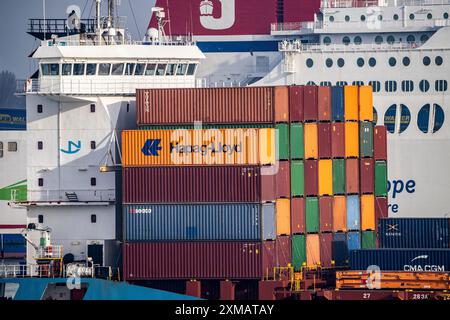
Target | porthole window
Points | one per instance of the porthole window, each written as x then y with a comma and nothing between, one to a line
411,16
395,17
391,120
357,40
424,85
347,18
375,116
440,85
445,15
331,18
310,83
309,63
376,86
380,17
363,18
340,62
426,61
438,60
429,16
358,83
341,83
390,86
410,38
346,40
424,38
327,40
390,39
407,86
378,39
423,118
329,63
325,84
360,62
372,62
406,61
392,61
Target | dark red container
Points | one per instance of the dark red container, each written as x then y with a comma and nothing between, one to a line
352,176
326,243
298,218
326,214
338,140
324,139
269,258
381,208
192,260
283,249
283,180
311,178
324,103
310,112
367,173
195,184
296,103
380,143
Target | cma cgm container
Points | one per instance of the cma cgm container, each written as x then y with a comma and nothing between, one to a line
198,147
193,260
166,222
418,260
198,184
414,232
212,105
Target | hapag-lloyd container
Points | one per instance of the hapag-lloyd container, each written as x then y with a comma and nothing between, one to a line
324,140
298,218
197,184
310,109
298,251
193,260
326,214
296,103
324,103
198,147
167,222
326,247
338,140
212,105
297,142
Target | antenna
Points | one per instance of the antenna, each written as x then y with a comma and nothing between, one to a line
45,27
160,15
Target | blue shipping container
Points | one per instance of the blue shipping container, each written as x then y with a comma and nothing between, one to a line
13,119
165,222
268,222
414,232
13,248
10,238
354,240
353,215
340,249
337,103
419,260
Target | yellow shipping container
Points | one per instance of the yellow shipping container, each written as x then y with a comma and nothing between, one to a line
312,250
198,147
283,216
325,177
311,142
351,139
339,214
365,103
368,212
351,102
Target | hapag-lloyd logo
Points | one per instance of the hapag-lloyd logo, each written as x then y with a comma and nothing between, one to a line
225,21
205,149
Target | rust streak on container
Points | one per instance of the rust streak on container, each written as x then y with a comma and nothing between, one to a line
296,103
352,176
326,214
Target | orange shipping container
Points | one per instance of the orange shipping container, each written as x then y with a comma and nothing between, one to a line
283,216
368,212
325,177
351,139
198,147
312,250
311,141
339,214
351,103
282,104
365,103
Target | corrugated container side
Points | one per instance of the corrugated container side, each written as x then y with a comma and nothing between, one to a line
283,216
281,104
283,141
367,172
268,186
201,260
353,213
194,184
365,103
298,251
337,103
338,140
310,103
325,177
351,103
368,240
380,143
351,140
338,176
352,176
381,178
283,250
268,221
311,178
311,141
326,214
340,249
296,103
381,207
339,213
353,240
297,178
312,214
324,103
312,250
298,218
283,180
269,258
297,141
368,221
324,139
326,246
366,139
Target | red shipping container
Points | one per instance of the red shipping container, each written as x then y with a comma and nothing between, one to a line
338,140
367,173
326,214
380,143
326,243
310,110
381,208
193,260
283,249
212,105
295,103
311,178
269,258
298,218
324,139
283,180
196,184
352,176
324,103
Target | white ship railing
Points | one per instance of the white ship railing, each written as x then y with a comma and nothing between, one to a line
30,270
379,3
81,195
178,41
308,47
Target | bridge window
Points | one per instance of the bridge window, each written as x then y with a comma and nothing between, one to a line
309,62
445,15
91,69
50,69
104,69
395,17
327,40
117,69
376,86
392,61
423,118
340,62
372,62
407,86
393,120
346,40
440,85
406,61
310,83
325,84
390,86
161,69
341,83
424,85
426,61
171,67
412,16
438,60
424,38
66,69
347,18
357,40
181,69
139,70
151,68
12,146
429,16
1,149
360,62
78,69
410,38
378,39
390,39
358,83
129,69
329,63
191,69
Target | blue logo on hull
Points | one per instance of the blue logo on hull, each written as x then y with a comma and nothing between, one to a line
72,147
151,147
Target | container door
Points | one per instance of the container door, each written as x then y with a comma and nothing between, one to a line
366,139
351,140
337,103
365,103
324,136
297,178
283,141
312,215
297,141
380,179
310,103
298,251
338,176
283,216
296,103
268,221
324,103
298,215
311,178
311,141
353,213
325,177
351,103
339,214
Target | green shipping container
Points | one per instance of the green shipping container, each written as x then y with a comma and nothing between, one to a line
366,139
283,141
380,179
297,178
297,141
312,215
298,251
368,240
338,176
